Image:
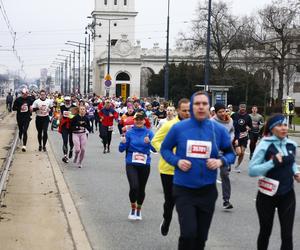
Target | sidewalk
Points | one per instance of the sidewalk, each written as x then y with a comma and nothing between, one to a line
33,215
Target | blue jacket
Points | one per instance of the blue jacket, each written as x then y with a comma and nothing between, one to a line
135,144
262,162
197,141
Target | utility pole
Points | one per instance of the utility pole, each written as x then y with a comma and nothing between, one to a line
70,73
79,47
85,57
74,73
66,76
207,61
89,64
166,86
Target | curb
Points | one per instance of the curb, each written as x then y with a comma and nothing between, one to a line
77,230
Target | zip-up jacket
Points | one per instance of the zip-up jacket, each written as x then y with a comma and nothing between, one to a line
262,163
135,144
164,167
197,141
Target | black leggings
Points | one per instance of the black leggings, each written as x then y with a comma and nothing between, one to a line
105,136
67,138
253,141
195,208
167,183
137,178
23,125
42,123
265,206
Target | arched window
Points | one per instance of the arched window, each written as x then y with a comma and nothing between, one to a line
105,2
123,77
116,2
125,2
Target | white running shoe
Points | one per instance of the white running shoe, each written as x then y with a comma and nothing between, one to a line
24,149
131,215
138,215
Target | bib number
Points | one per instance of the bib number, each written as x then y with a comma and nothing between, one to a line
24,108
139,158
198,149
268,186
66,114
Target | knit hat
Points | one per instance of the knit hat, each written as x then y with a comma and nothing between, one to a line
219,106
276,120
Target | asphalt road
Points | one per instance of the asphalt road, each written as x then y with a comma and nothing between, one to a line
100,192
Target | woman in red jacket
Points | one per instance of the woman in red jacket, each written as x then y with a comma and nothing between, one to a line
107,116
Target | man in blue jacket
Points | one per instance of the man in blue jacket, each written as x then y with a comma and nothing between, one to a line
202,146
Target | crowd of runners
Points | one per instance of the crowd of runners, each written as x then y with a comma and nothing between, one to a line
197,143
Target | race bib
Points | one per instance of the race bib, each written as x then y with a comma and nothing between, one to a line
268,186
139,158
243,135
43,110
110,128
24,108
66,114
198,149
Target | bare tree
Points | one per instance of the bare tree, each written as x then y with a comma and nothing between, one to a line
226,34
277,34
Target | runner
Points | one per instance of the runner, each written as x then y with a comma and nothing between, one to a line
160,114
107,116
242,125
166,170
64,128
198,142
91,115
274,158
42,107
80,124
257,124
23,107
224,119
127,121
136,144
170,116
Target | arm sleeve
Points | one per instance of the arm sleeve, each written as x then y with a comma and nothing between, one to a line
228,156
159,137
167,147
124,146
258,166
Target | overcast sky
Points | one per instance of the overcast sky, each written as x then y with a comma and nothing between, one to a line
44,26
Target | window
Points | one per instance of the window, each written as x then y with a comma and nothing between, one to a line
123,77
105,2
298,48
296,87
116,2
298,68
125,2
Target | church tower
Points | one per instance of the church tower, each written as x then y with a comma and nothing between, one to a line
113,9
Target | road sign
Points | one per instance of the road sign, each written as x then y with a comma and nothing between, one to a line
108,77
107,83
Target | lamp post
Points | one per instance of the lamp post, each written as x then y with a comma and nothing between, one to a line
207,61
109,44
66,73
166,85
71,89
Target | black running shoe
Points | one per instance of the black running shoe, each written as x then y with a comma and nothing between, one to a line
70,154
65,159
164,227
40,148
44,149
227,205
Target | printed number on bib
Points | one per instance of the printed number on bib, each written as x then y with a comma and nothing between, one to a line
24,108
44,110
66,114
268,186
139,158
198,149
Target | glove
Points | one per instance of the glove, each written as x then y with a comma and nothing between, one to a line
277,163
288,160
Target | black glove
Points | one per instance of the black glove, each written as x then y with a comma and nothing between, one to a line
288,160
277,163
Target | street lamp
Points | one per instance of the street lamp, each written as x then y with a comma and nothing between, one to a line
166,87
109,44
207,62
89,59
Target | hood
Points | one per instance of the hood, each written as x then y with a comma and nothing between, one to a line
191,105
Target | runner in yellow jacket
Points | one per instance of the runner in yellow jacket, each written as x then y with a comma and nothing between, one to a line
165,169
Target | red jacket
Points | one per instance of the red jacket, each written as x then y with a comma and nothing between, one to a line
107,116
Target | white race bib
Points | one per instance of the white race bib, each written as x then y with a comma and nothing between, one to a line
268,186
139,158
110,128
198,149
66,114
24,108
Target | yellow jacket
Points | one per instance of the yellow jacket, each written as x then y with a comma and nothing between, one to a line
164,167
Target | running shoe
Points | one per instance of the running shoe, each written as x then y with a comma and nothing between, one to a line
132,215
227,205
164,227
250,157
138,215
80,165
70,154
24,149
40,148
44,149
65,159
104,151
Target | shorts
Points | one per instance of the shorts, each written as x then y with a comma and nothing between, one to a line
254,136
243,142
